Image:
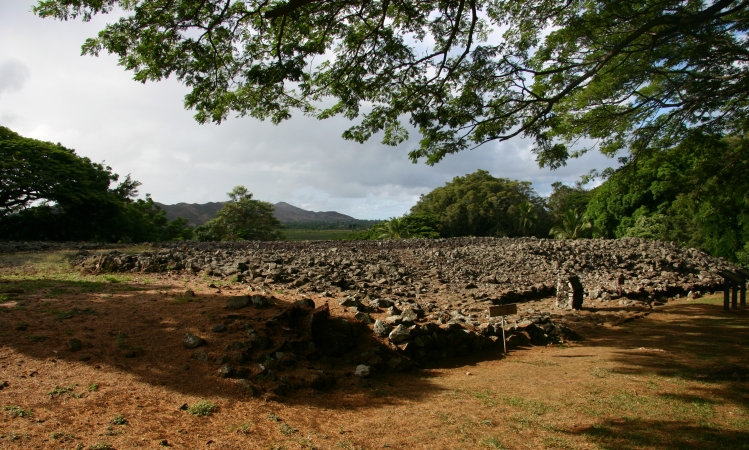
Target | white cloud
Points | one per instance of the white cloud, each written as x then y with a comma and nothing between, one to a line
13,75
92,105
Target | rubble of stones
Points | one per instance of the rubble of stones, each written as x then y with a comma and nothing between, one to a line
427,299
278,349
499,270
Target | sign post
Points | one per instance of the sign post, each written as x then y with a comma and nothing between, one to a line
503,310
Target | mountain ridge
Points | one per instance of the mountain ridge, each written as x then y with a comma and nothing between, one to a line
286,213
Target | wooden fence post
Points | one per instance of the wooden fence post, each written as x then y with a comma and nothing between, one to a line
743,273
731,281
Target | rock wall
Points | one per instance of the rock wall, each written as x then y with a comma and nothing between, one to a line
499,269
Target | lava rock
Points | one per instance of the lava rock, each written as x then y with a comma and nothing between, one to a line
304,303
258,301
382,328
364,317
226,371
75,345
193,341
200,355
399,334
362,371
246,386
239,302
409,315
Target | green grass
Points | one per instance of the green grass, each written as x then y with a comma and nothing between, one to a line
486,397
287,430
17,411
202,409
60,391
51,274
532,406
492,442
315,235
243,428
535,407
119,419
62,437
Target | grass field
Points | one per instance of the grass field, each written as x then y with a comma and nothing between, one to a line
315,235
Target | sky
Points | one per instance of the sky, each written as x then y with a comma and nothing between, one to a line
49,91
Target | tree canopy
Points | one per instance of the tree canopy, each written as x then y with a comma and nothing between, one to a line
565,198
36,171
620,74
479,204
241,218
695,194
573,225
409,226
48,192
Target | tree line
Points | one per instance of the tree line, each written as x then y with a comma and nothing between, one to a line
695,194
48,192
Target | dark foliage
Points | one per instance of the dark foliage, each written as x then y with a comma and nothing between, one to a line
624,74
479,204
50,193
695,194
241,218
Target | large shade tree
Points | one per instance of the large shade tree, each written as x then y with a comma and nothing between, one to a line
48,192
695,194
479,204
622,74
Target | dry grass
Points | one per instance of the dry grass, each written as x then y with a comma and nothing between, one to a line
672,380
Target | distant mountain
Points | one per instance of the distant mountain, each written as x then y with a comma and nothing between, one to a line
198,214
287,213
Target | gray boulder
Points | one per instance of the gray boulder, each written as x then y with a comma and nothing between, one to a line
192,341
408,315
239,302
364,317
362,371
399,334
75,344
382,328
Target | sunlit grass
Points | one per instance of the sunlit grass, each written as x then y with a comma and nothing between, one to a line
52,274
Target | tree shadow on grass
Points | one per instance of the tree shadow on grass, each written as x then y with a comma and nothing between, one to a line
656,434
694,343
125,329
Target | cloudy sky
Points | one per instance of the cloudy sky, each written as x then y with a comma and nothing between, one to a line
49,92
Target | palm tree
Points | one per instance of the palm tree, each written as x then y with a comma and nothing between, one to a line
395,228
527,217
573,224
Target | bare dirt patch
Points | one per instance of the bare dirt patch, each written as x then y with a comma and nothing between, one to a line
674,378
